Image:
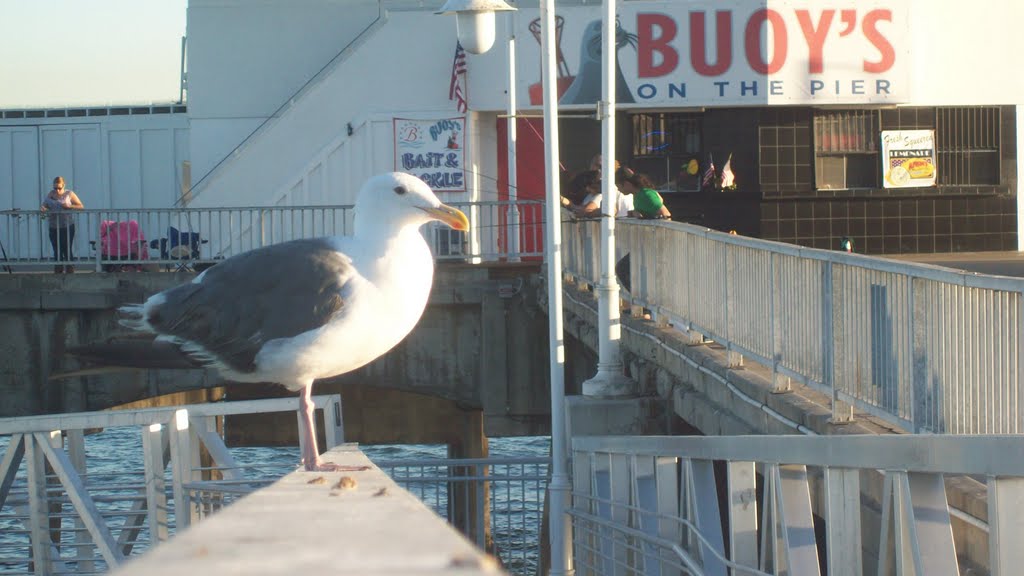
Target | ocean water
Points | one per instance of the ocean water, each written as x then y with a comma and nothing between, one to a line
114,461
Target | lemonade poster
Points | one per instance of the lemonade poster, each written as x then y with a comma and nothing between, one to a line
908,158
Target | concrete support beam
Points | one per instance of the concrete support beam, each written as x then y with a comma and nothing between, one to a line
586,416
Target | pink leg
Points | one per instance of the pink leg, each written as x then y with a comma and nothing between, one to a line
307,437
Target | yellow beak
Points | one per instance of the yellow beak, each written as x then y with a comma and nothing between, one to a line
450,216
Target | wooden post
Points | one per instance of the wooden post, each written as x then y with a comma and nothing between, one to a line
469,500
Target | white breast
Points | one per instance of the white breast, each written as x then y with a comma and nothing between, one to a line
383,305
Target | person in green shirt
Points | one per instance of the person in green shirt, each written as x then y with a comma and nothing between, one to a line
647,203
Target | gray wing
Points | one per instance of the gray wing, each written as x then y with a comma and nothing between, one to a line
278,291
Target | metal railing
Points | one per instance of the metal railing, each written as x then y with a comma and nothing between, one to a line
84,503
508,525
650,505
59,514
117,240
926,348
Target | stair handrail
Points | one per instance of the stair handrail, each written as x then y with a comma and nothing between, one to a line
193,189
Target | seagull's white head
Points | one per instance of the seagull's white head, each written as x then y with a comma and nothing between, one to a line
399,199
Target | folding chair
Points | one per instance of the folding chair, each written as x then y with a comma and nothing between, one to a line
182,247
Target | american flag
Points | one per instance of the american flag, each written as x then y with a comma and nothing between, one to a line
728,178
458,72
709,173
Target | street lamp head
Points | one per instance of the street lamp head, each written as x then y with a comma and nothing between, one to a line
474,20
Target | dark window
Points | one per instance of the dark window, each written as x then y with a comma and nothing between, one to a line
663,145
845,149
967,145
784,150
449,242
908,119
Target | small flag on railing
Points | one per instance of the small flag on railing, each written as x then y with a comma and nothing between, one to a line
709,173
455,91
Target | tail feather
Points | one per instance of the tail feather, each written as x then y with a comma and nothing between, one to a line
135,353
133,316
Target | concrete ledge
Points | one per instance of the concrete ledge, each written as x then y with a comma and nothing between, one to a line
302,525
82,291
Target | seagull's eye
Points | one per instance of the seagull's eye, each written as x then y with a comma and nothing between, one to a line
400,190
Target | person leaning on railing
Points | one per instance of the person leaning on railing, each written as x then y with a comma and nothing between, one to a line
647,202
584,195
60,201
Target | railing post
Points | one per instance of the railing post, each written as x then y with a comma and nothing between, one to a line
99,255
156,496
334,428
1006,524
481,505
742,504
84,554
842,520
1017,399
920,406
181,468
842,412
780,382
38,520
55,439
733,359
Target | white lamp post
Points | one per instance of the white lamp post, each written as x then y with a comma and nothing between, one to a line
479,29
559,489
474,20
609,380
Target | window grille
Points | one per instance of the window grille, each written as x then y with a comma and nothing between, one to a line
845,132
846,149
662,145
968,145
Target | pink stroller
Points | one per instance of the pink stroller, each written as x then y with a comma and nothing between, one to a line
122,241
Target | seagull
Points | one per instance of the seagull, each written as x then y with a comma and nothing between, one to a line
299,311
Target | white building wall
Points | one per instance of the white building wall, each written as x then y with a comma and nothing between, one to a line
959,52
110,161
400,69
248,57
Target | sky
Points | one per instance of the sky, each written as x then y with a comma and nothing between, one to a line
66,53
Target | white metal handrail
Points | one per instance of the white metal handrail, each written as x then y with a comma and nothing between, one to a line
130,239
926,348
651,505
151,507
